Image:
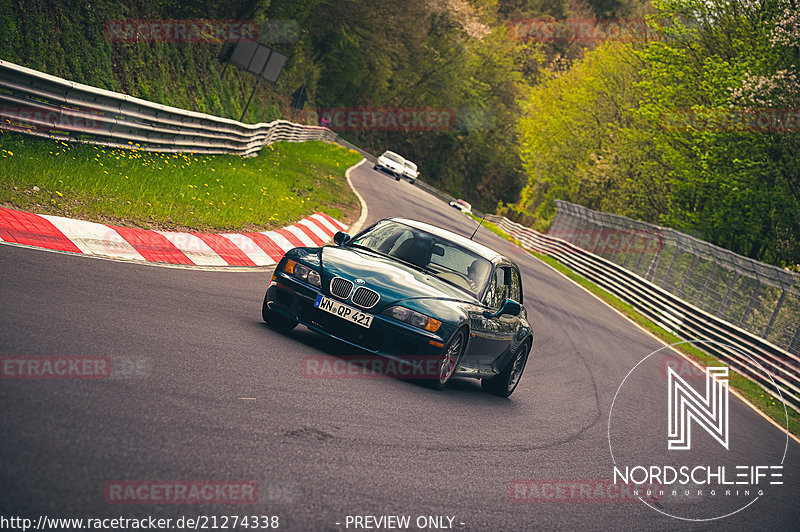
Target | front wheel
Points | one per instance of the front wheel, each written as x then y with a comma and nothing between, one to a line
450,359
276,321
506,382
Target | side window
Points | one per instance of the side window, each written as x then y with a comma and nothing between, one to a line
515,286
498,289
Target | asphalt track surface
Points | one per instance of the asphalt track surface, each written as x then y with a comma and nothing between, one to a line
203,390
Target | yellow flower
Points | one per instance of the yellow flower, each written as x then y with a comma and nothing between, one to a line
59,194
10,152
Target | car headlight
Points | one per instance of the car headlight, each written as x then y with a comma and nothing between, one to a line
414,318
302,272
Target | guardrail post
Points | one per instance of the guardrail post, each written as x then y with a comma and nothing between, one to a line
711,272
750,303
687,275
724,304
794,345
775,313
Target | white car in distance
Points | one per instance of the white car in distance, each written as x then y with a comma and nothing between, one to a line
392,164
462,206
410,172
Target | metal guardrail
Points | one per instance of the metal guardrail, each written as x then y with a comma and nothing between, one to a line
672,313
38,104
759,298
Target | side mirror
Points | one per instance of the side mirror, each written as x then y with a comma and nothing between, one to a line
341,238
509,306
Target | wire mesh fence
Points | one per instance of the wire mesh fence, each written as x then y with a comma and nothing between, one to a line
759,298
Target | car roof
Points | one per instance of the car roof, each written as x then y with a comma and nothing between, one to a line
479,249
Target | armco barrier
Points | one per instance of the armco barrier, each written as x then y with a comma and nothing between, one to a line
39,104
762,362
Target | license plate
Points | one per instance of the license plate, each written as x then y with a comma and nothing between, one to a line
343,311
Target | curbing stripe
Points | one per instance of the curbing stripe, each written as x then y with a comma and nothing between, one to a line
226,249
290,237
301,235
246,244
195,249
328,222
33,230
95,239
154,247
165,247
313,231
279,240
267,245
322,227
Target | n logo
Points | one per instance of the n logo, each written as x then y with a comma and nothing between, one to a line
685,405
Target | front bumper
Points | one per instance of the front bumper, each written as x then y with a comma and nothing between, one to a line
386,336
388,170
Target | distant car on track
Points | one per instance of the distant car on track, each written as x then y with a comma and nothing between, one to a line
410,291
462,206
391,163
410,172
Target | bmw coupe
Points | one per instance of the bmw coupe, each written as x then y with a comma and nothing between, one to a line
410,291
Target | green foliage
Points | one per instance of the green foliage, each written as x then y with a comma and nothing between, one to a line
641,130
349,53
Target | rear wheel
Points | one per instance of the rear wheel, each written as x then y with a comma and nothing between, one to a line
275,320
506,382
450,359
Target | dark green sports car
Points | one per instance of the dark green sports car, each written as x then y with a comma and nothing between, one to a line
413,293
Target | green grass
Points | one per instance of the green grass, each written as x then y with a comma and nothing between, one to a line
282,184
751,391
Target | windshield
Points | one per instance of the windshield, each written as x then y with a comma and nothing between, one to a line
411,165
394,157
443,259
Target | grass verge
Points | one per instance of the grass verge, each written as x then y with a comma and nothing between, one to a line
751,391
282,184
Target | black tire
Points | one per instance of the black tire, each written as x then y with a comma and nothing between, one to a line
276,321
449,360
506,382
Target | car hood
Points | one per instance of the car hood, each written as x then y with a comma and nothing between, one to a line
388,162
393,280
